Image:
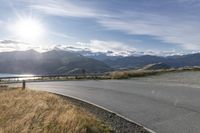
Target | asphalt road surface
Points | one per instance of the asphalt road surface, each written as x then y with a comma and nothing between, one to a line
169,103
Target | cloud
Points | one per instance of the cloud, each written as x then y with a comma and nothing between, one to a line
184,32
99,46
2,25
61,35
112,47
1,22
11,42
120,49
109,47
178,27
65,8
11,45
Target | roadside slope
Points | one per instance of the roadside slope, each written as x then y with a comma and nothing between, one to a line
36,111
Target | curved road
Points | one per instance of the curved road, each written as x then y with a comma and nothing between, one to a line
166,104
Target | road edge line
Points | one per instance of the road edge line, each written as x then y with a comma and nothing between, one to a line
119,123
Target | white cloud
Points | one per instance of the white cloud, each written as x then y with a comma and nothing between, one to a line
1,22
178,28
10,45
181,29
168,29
64,8
112,47
99,46
162,53
2,25
61,35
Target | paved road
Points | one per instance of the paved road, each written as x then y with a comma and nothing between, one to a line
165,104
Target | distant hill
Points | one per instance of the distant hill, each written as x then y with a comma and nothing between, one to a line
156,66
68,62
51,62
141,61
133,62
183,61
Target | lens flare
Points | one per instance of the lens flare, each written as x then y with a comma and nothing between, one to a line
28,29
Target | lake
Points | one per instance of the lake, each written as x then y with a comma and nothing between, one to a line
18,75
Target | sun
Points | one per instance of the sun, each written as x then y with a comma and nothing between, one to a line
28,29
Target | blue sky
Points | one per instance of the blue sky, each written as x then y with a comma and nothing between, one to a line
122,26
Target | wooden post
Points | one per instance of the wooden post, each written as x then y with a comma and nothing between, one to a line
23,85
83,73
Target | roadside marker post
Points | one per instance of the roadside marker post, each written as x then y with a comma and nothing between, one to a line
23,85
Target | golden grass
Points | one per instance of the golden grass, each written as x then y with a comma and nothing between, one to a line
131,73
125,74
35,112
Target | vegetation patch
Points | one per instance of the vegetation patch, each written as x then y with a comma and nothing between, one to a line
36,111
125,74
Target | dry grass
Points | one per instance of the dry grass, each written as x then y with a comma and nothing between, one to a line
131,73
34,111
125,74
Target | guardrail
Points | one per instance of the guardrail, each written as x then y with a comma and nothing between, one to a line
119,123
37,78
57,75
32,78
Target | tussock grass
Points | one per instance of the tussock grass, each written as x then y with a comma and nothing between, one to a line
35,111
125,74
131,73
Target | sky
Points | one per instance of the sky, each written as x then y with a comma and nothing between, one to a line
120,27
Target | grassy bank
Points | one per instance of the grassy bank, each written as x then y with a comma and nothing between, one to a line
125,74
118,74
34,111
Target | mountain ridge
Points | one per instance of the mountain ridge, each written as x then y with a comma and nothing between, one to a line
141,61
70,62
49,62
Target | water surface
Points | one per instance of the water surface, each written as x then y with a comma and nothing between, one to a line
21,76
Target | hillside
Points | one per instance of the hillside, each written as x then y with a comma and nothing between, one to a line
70,62
133,61
156,66
141,61
51,62
31,111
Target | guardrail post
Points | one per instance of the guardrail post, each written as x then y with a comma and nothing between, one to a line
23,85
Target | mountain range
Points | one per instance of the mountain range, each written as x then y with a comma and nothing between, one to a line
51,62
71,62
141,61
